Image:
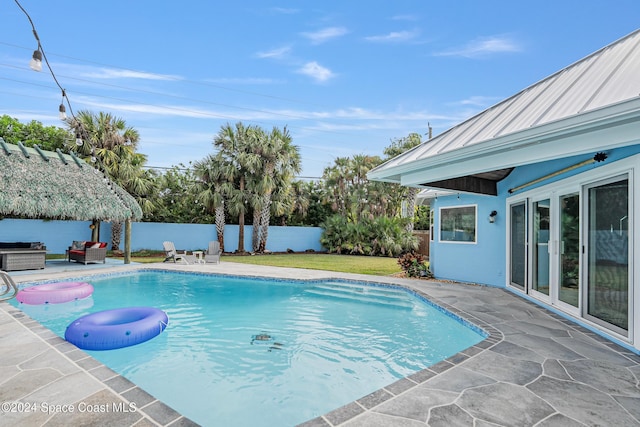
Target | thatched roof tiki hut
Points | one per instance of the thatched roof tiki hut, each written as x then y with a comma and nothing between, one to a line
42,184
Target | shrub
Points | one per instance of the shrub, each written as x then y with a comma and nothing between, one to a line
414,265
370,236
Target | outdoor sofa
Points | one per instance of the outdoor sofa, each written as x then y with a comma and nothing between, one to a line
86,252
22,256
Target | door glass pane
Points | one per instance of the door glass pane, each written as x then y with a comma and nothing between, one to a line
569,249
608,249
518,245
540,261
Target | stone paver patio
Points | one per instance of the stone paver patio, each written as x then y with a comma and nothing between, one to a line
535,369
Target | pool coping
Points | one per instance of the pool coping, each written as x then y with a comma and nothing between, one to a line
351,413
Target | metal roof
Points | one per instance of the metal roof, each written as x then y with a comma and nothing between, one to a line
605,78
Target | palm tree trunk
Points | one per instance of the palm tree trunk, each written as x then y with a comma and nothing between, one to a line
241,233
265,218
241,222
220,226
255,236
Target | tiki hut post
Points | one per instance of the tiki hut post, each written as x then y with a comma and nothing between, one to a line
127,241
95,230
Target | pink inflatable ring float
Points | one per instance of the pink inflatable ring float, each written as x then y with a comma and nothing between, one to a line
54,293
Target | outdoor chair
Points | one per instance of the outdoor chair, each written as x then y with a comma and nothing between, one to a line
86,252
213,253
171,254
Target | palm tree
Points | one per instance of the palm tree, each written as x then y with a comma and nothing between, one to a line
337,182
212,186
296,201
396,148
280,163
127,172
236,151
110,145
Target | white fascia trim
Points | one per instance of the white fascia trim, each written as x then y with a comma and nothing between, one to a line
568,142
508,150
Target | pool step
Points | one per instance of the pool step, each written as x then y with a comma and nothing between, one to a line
365,294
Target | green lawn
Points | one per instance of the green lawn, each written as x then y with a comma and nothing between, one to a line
344,263
381,266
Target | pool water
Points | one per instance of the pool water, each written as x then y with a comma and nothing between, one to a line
254,352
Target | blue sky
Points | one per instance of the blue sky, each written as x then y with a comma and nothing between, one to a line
346,77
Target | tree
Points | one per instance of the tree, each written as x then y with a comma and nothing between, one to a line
280,162
46,137
396,148
336,179
299,203
212,186
175,198
128,173
110,145
350,193
239,160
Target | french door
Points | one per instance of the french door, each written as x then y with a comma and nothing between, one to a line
569,247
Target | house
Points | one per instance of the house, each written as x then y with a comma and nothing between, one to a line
540,193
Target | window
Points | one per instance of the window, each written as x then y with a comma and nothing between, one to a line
458,224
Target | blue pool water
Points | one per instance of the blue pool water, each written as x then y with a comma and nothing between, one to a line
324,344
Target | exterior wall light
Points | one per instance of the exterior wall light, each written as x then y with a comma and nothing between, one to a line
492,216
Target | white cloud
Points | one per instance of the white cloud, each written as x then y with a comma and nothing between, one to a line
483,46
395,36
316,71
110,73
325,34
152,110
479,101
275,53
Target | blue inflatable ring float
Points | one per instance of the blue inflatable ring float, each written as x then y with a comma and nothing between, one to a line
117,328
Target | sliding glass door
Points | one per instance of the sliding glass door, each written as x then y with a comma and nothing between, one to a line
569,250
518,245
540,258
573,250
607,250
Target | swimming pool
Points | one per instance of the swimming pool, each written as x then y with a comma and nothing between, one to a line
241,351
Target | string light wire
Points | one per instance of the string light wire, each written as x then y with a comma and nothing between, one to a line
46,61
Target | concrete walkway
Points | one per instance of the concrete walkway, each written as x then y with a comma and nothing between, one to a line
535,369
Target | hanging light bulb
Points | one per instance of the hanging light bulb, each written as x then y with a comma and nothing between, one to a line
78,140
93,159
61,108
36,61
